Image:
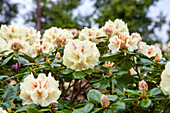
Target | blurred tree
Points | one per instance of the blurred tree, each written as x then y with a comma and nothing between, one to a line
56,13
133,12
8,11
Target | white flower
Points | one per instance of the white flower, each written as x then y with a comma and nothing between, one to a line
57,36
165,78
41,91
47,47
80,55
117,26
3,111
150,51
3,44
91,34
132,44
114,44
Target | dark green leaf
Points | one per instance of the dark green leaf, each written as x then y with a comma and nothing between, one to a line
145,104
104,84
32,110
112,97
94,96
78,75
9,95
155,91
88,71
118,107
88,108
7,60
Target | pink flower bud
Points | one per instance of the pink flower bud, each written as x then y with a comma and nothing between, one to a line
16,46
108,31
143,85
104,101
58,56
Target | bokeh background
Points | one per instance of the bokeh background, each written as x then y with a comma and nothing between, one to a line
151,18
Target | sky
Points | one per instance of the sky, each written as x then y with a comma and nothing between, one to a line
87,7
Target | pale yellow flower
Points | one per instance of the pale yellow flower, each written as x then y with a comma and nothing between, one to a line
41,91
3,111
80,55
91,34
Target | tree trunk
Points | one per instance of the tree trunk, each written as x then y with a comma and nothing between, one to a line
38,24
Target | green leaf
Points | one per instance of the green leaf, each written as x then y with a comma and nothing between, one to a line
126,79
1,52
104,84
88,71
122,72
119,88
144,61
126,65
94,96
112,97
114,81
118,107
67,71
1,77
107,111
81,110
78,75
88,108
32,110
22,60
65,111
7,60
155,91
9,95
145,104
56,65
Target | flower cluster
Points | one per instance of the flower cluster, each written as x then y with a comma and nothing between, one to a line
55,37
14,38
80,55
124,41
91,34
165,78
150,51
116,27
41,91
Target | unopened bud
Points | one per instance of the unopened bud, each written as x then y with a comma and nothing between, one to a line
110,73
16,46
12,104
104,101
58,56
47,60
9,110
143,85
157,58
108,31
52,105
37,64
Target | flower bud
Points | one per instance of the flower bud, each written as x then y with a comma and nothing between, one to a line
52,105
47,60
16,46
108,31
157,58
143,85
58,56
104,101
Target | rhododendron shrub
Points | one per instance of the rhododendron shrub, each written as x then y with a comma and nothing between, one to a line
93,70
